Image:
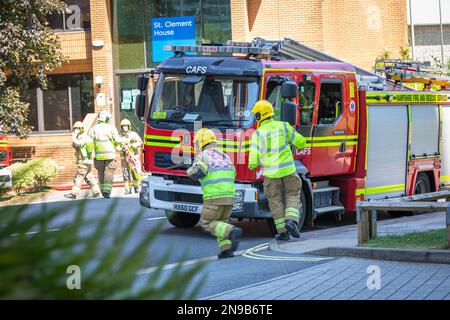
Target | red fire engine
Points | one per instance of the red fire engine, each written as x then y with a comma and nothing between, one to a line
366,138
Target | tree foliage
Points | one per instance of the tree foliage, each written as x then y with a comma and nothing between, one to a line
37,264
28,50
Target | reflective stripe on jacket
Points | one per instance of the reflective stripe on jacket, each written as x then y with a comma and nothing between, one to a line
106,138
270,148
219,180
83,146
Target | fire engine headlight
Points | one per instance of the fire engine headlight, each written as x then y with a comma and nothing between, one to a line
144,190
239,200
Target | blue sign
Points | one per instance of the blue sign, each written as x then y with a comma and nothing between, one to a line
171,30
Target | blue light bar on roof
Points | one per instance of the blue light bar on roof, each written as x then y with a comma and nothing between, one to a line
217,49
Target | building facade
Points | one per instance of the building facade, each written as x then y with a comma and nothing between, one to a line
109,42
426,20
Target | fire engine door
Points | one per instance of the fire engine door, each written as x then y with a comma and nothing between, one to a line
332,143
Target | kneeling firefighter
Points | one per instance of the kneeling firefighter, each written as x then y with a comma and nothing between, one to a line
216,173
270,148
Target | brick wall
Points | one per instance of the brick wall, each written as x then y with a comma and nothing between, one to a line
76,46
356,31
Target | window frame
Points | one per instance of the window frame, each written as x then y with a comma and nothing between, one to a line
339,81
40,108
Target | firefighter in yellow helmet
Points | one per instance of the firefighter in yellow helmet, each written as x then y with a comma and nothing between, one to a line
83,146
216,173
130,146
270,148
106,139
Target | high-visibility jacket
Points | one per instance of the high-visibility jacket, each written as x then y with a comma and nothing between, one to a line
219,179
270,148
83,146
106,138
132,140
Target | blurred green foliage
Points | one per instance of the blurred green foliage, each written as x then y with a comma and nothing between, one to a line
34,262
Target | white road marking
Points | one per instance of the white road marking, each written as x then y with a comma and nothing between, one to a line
33,232
157,218
251,253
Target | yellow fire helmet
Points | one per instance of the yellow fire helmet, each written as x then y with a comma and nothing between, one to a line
125,122
203,137
78,125
262,110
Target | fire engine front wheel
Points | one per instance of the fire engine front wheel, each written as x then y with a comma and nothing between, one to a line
271,223
182,219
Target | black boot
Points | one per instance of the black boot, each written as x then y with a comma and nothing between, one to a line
235,234
284,236
292,227
106,195
226,254
136,190
70,196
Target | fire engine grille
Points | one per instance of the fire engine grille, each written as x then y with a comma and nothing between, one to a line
3,156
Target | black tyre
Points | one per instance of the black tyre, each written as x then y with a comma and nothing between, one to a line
271,222
423,185
182,219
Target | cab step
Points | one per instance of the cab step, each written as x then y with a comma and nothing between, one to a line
326,200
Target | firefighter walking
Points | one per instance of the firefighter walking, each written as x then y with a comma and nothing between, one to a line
216,173
106,139
131,142
83,146
270,148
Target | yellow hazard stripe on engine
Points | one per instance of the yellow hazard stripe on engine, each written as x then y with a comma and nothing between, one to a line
379,190
445,178
395,97
166,138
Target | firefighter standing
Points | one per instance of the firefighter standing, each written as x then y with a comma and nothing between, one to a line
106,138
216,173
133,142
83,146
270,148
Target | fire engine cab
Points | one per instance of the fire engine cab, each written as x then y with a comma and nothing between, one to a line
366,138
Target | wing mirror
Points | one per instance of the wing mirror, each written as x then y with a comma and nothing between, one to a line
289,112
142,82
140,103
289,90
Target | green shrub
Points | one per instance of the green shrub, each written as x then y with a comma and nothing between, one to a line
22,177
35,173
34,263
44,169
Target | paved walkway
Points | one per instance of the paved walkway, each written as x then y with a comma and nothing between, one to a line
347,236
348,278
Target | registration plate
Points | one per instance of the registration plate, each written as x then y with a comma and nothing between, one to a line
183,207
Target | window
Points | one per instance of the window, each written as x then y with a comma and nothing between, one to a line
132,32
68,98
307,92
330,102
273,94
77,16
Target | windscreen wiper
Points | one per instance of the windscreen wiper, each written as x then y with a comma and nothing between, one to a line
225,121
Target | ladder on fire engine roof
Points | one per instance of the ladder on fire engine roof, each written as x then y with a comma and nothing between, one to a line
407,71
290,49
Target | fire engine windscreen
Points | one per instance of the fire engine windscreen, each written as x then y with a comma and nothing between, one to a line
225,101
